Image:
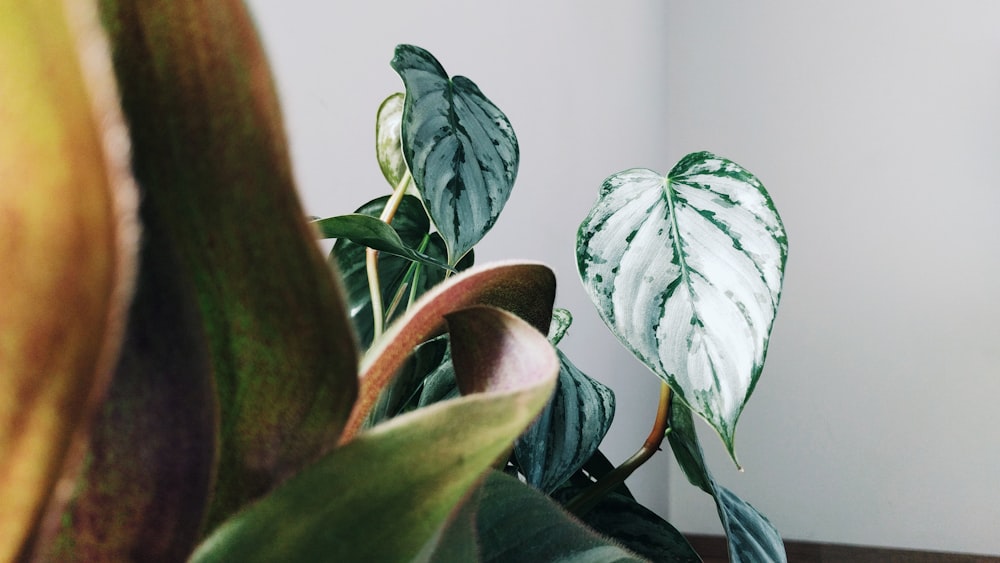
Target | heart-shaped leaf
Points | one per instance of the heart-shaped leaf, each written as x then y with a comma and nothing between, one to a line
461,149
751,536
340,503
372,233
68,245
525,289
569,430
686,270
210,153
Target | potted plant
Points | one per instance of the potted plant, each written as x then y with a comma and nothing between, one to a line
186,376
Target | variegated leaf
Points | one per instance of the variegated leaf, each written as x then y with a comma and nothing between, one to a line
461,149
568,431
388,142
686,270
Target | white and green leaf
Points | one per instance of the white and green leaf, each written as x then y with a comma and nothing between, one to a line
389,143
460,148
686,270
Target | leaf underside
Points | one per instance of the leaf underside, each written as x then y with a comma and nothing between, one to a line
751,536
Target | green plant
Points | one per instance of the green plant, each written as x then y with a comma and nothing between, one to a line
243,420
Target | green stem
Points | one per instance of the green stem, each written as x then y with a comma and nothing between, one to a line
588,499
371,258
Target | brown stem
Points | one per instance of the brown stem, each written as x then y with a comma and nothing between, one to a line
589,498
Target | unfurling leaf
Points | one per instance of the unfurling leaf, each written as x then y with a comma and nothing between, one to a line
525,289
68,244
686,270
461,149
388,139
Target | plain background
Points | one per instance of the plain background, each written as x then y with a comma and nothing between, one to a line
875,126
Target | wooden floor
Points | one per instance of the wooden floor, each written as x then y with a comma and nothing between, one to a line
713,550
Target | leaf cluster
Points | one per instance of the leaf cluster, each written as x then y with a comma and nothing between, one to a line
185,376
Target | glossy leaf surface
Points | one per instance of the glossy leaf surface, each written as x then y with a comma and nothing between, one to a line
68,245
751,536
399,278
372,233
340,502
461,149
210,154
686,270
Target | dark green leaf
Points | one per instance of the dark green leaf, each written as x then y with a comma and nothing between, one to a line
397,276
372,233
517,523
623,519
569,430
751,536
686,270
461,149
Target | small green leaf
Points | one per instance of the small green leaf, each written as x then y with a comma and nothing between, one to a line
388,142
752,538
561,321
686,270
461,149
372,233
569,430
340,503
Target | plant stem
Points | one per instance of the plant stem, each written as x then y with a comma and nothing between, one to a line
586,500
371,257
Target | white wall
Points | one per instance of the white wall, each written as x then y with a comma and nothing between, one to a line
874,125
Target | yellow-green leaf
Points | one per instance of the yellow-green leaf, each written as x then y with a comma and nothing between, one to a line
67,249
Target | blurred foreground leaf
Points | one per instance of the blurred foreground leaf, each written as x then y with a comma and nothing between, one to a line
67,249
417,466
210,153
